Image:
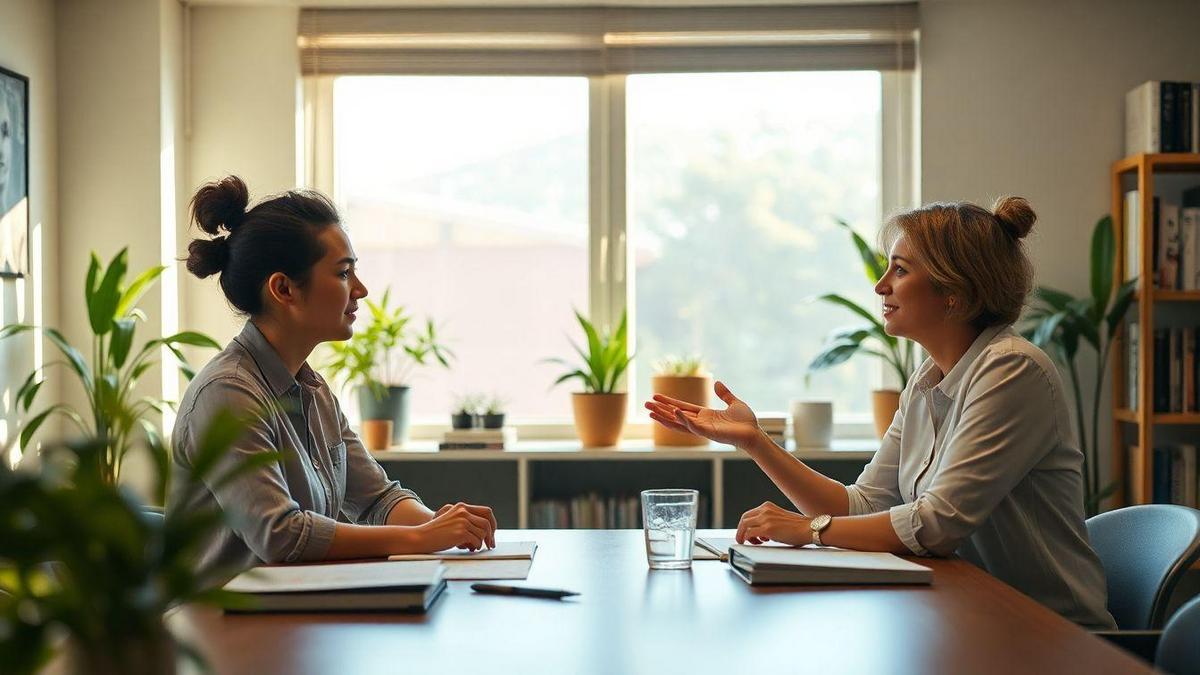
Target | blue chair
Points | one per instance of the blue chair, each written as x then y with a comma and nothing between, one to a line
1179,648
1145,551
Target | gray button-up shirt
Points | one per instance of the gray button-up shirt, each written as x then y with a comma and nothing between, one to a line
286,511
984,462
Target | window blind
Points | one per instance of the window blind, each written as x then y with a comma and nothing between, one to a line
600,40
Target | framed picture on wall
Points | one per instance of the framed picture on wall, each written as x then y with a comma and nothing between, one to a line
14,174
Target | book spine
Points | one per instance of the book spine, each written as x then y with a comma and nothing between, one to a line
1184,118
1133,226
1131,365
1189,227
1195,121
1156,237
1161,360
1189,369
1176,365
1167,116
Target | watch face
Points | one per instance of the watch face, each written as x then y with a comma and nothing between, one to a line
821,522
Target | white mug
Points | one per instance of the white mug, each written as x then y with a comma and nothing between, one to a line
812,423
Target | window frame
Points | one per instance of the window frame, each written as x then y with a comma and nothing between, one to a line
610,284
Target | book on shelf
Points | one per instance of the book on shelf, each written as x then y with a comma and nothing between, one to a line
812,565
339,587
1133,228
1175,478
775,426
1162,117
1131,366
478,439
594,511
1176,373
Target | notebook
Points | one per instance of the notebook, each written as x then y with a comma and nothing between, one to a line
395,586
505,550
811,565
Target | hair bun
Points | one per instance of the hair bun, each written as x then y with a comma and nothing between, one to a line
208,256
221,205
1015,216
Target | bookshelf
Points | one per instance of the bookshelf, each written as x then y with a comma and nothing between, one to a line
1136,429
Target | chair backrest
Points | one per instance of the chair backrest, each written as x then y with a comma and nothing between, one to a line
1145,550
1179,647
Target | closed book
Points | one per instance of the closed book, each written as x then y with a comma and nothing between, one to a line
470,446
1169,246
1183,122
1167,117
507,434
1131,366
811,565
505,550
342,587
1133,234
1189,370
1143,119
1189,224
1175,376
1162,369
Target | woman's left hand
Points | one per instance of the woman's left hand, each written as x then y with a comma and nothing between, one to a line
772,523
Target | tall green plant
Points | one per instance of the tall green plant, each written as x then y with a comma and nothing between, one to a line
114,411
83,559
604,361
386,351
1059,322
869,338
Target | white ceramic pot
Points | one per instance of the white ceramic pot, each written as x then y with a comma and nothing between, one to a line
812,423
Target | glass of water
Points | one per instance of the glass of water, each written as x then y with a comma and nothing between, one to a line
669,521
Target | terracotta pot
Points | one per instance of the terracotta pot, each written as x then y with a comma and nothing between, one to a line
690,388
599,418
885,403
377,434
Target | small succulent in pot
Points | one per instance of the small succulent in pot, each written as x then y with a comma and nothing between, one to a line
466,411
493,413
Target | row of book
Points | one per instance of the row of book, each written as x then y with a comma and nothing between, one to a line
595,511
775,426
1175,260
1176,369
1162,117
1175,480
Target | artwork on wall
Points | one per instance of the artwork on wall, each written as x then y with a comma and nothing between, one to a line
14,174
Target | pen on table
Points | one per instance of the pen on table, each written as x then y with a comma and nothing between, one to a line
501,589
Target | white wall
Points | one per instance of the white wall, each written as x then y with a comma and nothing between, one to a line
245,71
27,47
1026,97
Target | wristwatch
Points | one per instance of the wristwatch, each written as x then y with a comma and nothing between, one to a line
818,525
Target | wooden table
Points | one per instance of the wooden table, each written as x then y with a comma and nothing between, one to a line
630,619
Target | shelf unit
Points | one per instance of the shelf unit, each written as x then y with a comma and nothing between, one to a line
511,480
1138,427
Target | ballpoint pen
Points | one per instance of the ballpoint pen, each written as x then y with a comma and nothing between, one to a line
501,589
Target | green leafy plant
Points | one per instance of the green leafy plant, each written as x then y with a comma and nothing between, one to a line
386,351
1060,322
493,405
115,411
83,559
680,366
468,404
604,361
869,338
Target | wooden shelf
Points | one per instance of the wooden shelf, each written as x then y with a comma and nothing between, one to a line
1126,415
1165,161
1177,418
1176,296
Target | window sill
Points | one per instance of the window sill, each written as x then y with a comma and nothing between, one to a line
636,449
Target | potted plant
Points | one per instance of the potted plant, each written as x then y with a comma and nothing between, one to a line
117,415
599,409
466,412
1060,321
88,572
493,412
686,379
379,360
869,338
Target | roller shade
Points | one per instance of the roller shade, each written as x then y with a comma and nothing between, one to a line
599,40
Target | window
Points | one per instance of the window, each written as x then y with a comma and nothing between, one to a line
734,184
475,200
467,196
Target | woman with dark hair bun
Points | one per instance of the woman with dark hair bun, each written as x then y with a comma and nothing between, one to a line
288,266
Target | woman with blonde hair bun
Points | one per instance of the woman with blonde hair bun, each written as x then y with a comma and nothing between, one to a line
980,459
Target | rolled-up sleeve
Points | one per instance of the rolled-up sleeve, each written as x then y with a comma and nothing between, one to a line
878,487
257,503
1008,425
370,495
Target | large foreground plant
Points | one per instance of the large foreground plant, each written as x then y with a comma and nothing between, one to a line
115,412
84,566
1059,322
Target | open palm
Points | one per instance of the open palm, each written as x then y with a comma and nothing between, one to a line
736,424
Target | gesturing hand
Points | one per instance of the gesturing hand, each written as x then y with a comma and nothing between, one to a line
771,523
461,525
735,425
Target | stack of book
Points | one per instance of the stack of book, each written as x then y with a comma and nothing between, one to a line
1162,117
1176,245
478,439
775,424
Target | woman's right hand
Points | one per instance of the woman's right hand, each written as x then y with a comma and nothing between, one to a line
736,424
459,525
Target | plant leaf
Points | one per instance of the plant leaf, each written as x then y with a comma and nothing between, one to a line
102,302
133,294
1120,306
874,263
1103,260
122,340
